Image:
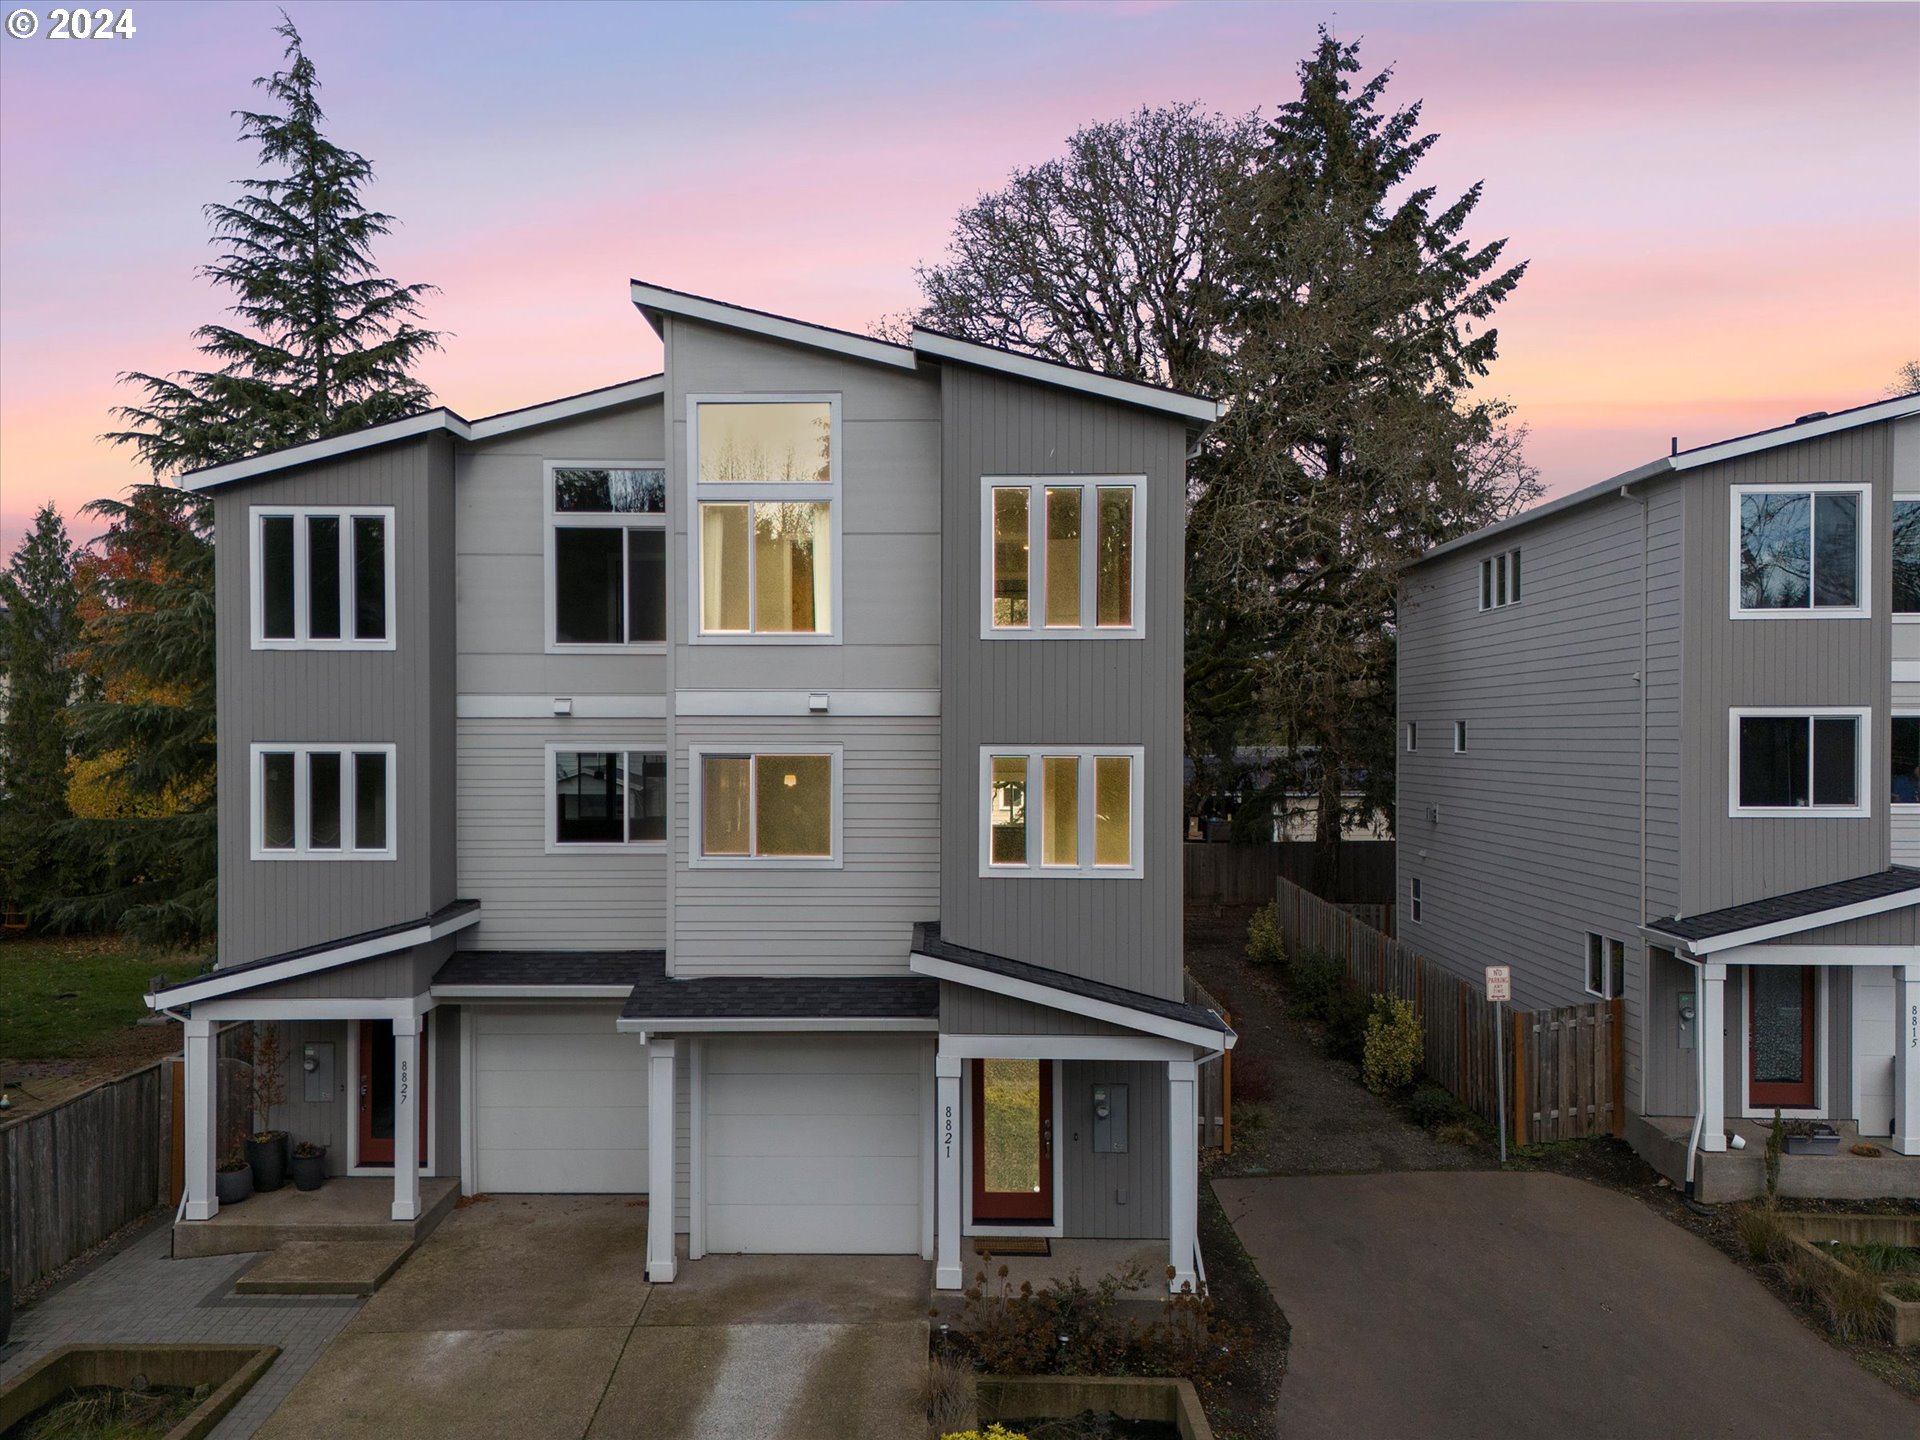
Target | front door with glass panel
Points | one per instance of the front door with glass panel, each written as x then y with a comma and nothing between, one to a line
377,1092
1013,1142
1780,1037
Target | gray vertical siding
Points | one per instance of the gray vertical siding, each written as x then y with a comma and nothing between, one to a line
1062,692
1118,1197
322,1122
444,1088
322,697
397,976
967,1011
1671,1078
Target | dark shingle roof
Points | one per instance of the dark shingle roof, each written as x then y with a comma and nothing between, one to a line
548,967
1806,905
927,941
447,912
658,997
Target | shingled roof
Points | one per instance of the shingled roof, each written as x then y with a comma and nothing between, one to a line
1796,910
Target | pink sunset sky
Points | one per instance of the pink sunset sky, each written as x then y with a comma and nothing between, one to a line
1721,203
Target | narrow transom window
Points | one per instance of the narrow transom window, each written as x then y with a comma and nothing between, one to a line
1061,557
1606,966
1805,763
607,797
1060,811
1800,549
1413,736
322,802
1459,737
766,807
322,578
608,555
1417,900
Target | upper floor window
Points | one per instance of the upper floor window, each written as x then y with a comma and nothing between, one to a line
322,802
606,797
1413,736
1798,762
1419,902
1049,810
322,577
1800,549
1500,580
1906,557
607,555
777,808
1606,966
1904,760
766,490
1061,557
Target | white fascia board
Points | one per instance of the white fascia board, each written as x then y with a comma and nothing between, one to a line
898,704
1829,955
654,299
727,1024
1122,1015
217,984
1046,372
593,401
400,1009
394,430
1895,409
530,992
1063,1047
1755,934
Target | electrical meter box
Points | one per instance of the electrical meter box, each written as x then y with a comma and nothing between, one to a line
316,1068
1110,1119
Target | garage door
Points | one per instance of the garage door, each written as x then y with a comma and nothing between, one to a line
560,1102
813,1145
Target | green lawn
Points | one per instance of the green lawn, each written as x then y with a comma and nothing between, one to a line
67,998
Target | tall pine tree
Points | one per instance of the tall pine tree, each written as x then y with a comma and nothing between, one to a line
323,344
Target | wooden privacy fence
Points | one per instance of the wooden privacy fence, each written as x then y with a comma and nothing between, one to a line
1245,874
1564,1073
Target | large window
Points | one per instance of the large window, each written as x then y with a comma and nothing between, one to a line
608,555
1049,810
1904,767
1800,549
323,802
1606,966
606,796
762,807
1062,557
1798,762
1500,580
322,578
1906,558
766,486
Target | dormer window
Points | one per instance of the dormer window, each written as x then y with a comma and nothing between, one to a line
322,577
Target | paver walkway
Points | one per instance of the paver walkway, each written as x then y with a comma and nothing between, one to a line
141,1296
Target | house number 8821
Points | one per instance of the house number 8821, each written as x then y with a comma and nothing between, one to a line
83,24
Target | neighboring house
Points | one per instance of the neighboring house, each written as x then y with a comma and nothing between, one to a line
756,786
1658,742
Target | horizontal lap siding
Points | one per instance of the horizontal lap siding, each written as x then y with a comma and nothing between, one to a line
592,897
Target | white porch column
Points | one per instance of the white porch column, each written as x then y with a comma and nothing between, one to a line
202,1102
1906,1059
662,1141
1712,1039
947,1070
406,1117
1183,1171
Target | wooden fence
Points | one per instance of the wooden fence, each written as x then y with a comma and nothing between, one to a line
1564,1073
1245,874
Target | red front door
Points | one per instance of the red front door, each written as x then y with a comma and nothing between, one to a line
1780,1037
1013,1142
376,1092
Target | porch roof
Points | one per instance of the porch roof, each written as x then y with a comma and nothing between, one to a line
515,970
660,1001
1793,912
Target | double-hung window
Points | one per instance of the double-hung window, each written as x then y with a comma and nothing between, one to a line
605,796
322,577
777,808
1060,810
766,491
1500,580
1799,762
1606,966
1062,557
607,555
323,802
1800,550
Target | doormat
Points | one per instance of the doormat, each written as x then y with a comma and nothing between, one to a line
1013,1245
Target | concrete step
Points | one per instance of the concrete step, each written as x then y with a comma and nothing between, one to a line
324,1267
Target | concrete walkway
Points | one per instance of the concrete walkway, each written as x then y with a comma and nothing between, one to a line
1488,1304
141,1296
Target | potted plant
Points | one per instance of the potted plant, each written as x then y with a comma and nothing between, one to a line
309,1165
1812,1137
267,1147
233,1178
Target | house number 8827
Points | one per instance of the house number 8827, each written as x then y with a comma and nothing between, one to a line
84,24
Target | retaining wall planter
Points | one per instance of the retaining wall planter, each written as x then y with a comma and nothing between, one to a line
1061,1397
230,1369
1903,1315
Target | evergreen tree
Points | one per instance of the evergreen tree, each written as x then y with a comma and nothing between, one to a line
41,632
1356,315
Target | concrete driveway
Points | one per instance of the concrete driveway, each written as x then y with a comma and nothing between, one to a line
531,1317
1488,1304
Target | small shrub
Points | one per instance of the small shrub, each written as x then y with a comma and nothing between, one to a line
1393,1047
1346,1034
1853,1307
1252,1078
1908,1290
1315,984
951,1394
1264,946
995,1431
1459,1133
1250,1117
1433,1107
1807,1276
1776,1141
1763,1235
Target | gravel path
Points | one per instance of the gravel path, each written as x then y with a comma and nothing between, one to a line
1322,1121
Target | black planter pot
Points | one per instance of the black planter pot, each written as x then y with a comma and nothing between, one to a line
230,1187
310,1171
6,1305
268,1158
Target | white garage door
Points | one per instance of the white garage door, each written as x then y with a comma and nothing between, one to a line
560,1102
813,1145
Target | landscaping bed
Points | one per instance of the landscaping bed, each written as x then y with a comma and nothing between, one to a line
130,1392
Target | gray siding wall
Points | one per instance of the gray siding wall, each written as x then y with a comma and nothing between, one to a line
1672,1082
967,1011
1785,662
1062,692
385,977
589,897
324,1122
1905,441
1892,927
402,697
1119,1197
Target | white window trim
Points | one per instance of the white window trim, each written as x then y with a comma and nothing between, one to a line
1863,752
1606,966
1036,487
1863,579
1459,737
1416,902
1899,807
1033,868
557,846
747,492
302,801
696,837
302,601
592,520
1494,578
1901,617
